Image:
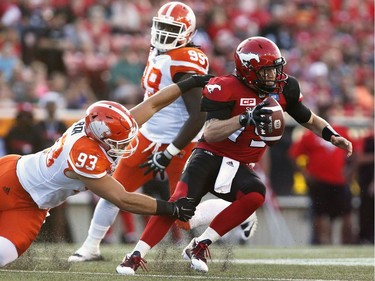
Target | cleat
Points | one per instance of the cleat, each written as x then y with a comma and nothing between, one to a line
197,252
131,263
186,253
81,256
249,227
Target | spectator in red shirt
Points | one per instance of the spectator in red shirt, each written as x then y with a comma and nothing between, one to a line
327,179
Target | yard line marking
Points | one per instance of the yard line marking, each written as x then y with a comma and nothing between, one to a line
205,277
312,261
304,261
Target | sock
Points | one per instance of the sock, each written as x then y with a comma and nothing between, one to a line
142,247
156,228
104,215
209,234
236,212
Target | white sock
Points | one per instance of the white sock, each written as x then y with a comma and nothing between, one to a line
142,247
104,215
210,234
8,251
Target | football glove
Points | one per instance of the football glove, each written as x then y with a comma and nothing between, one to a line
183,209
256,116
157,163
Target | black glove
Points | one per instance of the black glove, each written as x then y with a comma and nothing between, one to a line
256,116
157,163
193,82
183,209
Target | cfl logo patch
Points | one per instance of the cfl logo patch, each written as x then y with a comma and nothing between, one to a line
247,102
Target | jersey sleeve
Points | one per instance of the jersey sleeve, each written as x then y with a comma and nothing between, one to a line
217,99
293,96
87,159
188,60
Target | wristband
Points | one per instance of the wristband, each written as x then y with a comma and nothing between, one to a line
328,132
172,150
164,208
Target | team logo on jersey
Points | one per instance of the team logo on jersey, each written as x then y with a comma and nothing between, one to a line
246,58
211,88
275,96
6,189
248,102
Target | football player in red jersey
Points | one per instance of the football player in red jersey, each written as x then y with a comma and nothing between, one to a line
82,159
327,174
222,162
167,139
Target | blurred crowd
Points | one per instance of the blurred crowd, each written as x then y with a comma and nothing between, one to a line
85,50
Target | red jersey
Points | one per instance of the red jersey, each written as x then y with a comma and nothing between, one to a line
326,162
228,92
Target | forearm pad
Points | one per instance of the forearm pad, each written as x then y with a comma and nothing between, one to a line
186,84
164,208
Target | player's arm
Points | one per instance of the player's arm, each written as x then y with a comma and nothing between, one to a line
110,189
319,126
323,129
309,119
220,124
157,162
195,121
146,109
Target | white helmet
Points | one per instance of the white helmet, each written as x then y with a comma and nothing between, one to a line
173,27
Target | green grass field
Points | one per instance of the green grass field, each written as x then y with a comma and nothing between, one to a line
48,262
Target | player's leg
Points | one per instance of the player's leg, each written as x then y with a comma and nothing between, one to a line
174,171
207,210
155,230
20,217
247,195
198,175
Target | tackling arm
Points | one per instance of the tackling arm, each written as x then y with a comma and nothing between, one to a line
146,109
110,189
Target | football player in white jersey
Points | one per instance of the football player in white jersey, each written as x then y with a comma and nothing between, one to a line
167,139
82,159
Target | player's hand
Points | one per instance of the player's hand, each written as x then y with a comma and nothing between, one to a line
183,209
157,163
256,116
342,143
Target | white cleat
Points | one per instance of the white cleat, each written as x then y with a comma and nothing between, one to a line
197,252
186,253
249,227
82,255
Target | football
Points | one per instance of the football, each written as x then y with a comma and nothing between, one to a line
275,129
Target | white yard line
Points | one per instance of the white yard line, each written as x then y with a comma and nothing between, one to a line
308,261
312,261
162,277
